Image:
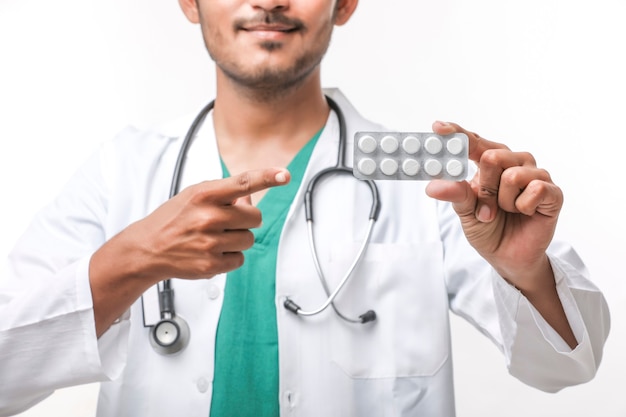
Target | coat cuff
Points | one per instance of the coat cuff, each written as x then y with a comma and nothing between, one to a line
108,353
535,353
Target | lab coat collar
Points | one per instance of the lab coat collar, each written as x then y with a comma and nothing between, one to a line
178,127
203,162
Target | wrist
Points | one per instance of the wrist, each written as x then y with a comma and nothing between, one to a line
532,279
122,262
116,279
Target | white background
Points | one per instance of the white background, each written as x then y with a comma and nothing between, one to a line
540,75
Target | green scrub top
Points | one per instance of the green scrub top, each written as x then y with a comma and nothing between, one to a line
246,346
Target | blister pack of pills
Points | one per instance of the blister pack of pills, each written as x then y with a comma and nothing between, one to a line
410,156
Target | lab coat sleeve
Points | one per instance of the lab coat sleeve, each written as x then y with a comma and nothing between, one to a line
534,352
47,327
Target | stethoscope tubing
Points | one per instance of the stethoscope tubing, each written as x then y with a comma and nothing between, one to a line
166,295
344,280
339,168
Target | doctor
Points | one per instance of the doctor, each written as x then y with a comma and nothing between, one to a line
82,279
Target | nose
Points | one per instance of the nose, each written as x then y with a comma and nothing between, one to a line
270,5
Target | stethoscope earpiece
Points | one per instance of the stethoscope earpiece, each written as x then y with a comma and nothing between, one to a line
341,169
368,316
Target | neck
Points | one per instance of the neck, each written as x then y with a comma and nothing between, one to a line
256,131
253,117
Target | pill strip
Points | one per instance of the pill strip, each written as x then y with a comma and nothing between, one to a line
410,156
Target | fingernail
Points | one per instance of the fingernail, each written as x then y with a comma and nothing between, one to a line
281,177
444,124
483,213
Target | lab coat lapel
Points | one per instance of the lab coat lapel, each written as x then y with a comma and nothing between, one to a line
202,163
203,160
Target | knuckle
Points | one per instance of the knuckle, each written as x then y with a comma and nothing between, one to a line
545,175
491,157
210,245
268,179
244,182
486,191
539,187
231,261
536,187
209,220
239,259
510,177
257,216
247,217
248,239
198,193
195,198
528,158
217,264
214,220
205,266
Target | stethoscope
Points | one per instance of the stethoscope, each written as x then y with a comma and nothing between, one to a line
171,333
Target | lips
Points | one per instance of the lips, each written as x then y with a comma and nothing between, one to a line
269,22
269,28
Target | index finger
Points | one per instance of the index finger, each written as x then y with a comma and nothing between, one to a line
227,190
476,144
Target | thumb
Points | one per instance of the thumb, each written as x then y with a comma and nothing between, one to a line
459,193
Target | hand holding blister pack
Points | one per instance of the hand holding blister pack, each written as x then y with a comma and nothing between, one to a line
410,156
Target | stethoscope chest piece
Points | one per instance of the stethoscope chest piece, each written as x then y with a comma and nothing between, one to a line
169,335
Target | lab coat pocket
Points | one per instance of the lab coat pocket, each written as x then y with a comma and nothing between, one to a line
403,283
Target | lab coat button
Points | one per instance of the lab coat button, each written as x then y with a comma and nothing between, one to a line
202,385
213,291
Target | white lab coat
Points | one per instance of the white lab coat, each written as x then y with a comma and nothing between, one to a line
417,267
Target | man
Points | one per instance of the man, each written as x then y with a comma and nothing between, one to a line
75,312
